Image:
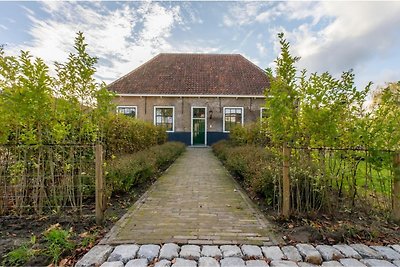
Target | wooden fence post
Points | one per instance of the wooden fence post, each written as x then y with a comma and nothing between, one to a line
286,182
396,187
99,184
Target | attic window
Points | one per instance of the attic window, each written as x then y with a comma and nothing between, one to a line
130,111
232,116
164,116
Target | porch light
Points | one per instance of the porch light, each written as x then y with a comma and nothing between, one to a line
210,113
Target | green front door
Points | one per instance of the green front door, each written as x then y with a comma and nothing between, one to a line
199,126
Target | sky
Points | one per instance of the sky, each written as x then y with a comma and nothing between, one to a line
328,36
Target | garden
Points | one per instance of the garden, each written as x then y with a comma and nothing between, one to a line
51,127
324,163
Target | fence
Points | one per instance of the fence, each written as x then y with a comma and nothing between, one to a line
36,179
332,179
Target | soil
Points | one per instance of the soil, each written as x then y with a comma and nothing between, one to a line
18,230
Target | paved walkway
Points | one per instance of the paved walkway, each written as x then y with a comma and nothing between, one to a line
195,202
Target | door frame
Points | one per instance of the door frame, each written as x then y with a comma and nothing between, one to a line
205,124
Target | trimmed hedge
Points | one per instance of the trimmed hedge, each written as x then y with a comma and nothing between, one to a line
128,171
256,167
249,134
126,135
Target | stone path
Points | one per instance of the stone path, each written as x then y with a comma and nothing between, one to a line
195,202
301,255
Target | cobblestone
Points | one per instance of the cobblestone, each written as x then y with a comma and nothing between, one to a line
347,251
366,252
275,253
387,252
232,262
124,253
252,252
309,253
292,253
246,255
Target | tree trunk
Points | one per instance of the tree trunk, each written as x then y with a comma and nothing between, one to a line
396,187
286,182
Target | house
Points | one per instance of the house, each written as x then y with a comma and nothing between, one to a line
198,98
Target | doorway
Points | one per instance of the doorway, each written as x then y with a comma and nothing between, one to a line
199,126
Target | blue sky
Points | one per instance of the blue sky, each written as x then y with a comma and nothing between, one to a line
328,36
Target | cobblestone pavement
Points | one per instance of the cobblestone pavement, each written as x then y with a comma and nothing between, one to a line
301,255
194,202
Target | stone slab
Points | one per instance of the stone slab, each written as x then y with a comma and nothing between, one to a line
329,253
184,263
347,251
232,262
211,251
309,253
397,263
137,263
377,263
169,251
292,253
231,251
387,252
256,263
351,263
190,252
123,253
396,247
252,252
150,252
331,264
208,262
163,263
274,253
366,252
283,264
112,264
95,257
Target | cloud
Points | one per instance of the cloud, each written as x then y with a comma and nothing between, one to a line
261,49
122,38
3,27
355,33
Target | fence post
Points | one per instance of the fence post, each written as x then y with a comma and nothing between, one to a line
396,187
99,184
286,182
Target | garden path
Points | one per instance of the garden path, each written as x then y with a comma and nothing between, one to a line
196,201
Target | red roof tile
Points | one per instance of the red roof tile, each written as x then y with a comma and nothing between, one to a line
194,74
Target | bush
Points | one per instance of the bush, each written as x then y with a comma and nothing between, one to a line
128,171
255,166
126,135
249,134
260,171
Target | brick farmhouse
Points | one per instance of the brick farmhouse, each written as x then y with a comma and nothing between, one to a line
198,98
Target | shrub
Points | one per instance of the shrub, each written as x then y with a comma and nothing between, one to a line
57,242
249,134
128,171
126,135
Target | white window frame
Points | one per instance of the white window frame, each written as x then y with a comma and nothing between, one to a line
223,118
136,110
173,116
205,124
261,113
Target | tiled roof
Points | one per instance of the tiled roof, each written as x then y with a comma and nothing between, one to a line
194,74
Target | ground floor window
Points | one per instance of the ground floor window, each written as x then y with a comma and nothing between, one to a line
232,116
263,114
130,111
164,116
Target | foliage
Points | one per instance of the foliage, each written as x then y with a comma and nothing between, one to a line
36,108
130,170
249,134
125,135
57,242
20,255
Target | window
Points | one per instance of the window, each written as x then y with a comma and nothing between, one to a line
130,111
263,114
164,116
232,116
